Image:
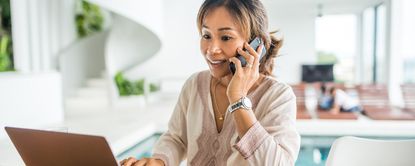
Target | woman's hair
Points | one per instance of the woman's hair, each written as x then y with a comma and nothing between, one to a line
252,18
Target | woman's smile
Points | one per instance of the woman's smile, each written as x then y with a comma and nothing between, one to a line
215,64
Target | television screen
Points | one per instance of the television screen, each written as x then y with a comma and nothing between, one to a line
317,73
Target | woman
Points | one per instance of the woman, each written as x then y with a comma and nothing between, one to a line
213,122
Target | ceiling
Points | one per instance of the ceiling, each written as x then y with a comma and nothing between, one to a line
328,6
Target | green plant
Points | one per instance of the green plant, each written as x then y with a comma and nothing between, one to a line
127,87
6,21
154,87
6,51
5,60
89,19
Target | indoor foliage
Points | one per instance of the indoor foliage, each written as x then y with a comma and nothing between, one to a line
89,19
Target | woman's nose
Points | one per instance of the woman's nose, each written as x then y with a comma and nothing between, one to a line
214,49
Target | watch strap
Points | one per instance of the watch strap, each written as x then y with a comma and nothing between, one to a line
237,105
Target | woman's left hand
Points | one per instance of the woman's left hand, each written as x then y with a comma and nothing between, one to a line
244,77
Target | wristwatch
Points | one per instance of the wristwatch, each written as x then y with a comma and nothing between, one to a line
244,103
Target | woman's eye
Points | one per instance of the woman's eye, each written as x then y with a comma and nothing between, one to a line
206,37
226,38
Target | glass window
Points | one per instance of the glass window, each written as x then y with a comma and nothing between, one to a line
408,38
336,43
368,27
373,58
380,44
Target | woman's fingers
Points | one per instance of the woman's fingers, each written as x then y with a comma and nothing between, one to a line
249,58
153,162
257,56
123,161
141,162
144,161
237,63
128,162
254,53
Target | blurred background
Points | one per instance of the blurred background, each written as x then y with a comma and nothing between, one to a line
115,67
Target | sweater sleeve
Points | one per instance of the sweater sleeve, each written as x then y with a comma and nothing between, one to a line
273,140
172,145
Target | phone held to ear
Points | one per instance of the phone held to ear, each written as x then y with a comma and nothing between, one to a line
255,43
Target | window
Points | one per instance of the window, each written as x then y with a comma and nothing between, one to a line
380,54
336,43
408,37
373,65
368,27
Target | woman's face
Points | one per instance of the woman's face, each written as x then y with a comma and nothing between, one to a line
221,36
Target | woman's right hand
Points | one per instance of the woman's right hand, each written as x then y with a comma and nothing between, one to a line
131,161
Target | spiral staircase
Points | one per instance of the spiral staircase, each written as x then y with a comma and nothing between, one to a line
132,39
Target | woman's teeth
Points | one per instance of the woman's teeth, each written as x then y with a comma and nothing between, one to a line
217,62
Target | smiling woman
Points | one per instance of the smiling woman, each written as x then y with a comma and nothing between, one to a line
221,118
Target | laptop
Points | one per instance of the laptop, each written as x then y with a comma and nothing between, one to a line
44,148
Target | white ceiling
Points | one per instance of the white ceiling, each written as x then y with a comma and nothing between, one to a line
328,6
355,2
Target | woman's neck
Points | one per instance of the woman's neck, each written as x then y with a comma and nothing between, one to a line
225,80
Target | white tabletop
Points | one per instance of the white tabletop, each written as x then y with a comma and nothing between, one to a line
123,128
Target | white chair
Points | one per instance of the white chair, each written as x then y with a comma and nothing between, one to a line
353,151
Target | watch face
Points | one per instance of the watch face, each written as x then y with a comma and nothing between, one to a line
247,102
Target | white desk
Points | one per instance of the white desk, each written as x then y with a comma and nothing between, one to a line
123,129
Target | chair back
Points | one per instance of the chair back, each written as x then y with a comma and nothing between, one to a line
347,151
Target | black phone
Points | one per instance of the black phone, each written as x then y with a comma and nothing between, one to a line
255,43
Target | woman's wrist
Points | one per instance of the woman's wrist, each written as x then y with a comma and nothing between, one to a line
235,98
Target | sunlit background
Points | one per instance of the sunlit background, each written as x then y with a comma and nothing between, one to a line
115,67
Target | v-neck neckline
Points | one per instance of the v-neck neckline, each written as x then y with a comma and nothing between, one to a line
211,108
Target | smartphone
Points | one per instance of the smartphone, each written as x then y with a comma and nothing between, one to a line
255,43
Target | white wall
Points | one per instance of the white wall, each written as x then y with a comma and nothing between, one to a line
30,100
82,60
66,25
297,27
394,54
41,29
180,55
32,96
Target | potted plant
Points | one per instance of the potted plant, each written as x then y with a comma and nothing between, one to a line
153,91
131,92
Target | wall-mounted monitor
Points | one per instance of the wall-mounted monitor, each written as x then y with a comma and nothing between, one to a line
317,73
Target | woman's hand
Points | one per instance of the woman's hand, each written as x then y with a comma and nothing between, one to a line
131,161
244,77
